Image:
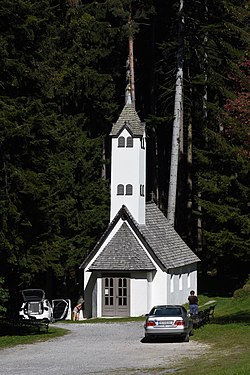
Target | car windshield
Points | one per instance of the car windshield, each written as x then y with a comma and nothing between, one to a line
166,311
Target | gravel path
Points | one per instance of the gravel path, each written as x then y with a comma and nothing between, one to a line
114,348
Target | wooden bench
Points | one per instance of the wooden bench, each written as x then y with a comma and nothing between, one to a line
203,316
34,324
209,312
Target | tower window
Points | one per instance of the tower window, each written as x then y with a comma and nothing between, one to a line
121,142
120,189
129,189
142,190
142,142
129,142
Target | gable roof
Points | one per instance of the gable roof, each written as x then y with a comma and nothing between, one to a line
159,237
129,119
123,252
166,243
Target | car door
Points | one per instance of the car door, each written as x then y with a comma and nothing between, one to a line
61,309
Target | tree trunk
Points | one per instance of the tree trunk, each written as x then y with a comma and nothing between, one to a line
200,239
178,123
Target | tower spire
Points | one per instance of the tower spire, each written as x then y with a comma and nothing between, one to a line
131,67
130,76
128,99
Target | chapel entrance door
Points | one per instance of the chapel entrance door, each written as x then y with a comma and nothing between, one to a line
115,296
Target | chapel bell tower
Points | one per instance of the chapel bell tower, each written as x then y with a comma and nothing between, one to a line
128,164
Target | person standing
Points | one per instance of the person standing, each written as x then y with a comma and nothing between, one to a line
193,303
76,311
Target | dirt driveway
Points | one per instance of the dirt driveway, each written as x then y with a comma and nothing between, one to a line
114,348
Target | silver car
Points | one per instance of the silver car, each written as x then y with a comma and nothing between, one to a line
168,321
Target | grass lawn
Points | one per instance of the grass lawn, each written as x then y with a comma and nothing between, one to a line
229,338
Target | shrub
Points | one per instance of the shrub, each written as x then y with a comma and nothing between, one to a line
4,296
244,291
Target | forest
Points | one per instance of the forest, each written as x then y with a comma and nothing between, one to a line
62,86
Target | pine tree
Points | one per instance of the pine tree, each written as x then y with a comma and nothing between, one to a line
220,168
61,74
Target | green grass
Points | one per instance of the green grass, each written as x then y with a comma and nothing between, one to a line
228,336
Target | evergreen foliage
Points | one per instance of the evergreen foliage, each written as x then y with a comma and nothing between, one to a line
216,37
62,83
4,296
222,167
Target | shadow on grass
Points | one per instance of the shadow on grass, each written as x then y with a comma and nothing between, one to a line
239,317
8,328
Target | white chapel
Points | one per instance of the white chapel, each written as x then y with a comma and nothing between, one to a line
140,260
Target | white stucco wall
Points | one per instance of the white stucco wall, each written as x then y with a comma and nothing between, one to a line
99,296
181,281
146,290
138,293
128,166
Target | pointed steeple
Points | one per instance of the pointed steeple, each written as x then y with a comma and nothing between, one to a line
128,99
130,76
128,157
131,68
128,163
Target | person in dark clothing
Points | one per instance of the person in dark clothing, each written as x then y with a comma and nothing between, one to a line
193,303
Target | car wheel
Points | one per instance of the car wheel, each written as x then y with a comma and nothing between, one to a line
186,338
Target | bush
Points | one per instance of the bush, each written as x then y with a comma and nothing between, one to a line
244,291
4,296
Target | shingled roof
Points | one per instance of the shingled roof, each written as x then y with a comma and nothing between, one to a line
124,252
130,120
165,242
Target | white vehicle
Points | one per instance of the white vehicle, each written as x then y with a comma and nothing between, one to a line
36,306
61,309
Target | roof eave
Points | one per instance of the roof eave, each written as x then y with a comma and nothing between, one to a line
111,225
125,270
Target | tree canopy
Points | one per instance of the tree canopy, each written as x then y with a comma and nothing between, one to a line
62,84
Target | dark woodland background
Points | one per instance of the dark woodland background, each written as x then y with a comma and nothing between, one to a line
62,85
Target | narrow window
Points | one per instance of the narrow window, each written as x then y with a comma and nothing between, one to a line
189,280
142,142
121,142
142,190
120,189
129,142
172,283
129,189
180,282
